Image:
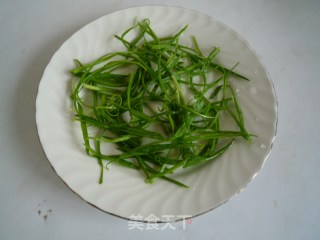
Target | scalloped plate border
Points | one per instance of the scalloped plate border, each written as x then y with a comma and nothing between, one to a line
124,189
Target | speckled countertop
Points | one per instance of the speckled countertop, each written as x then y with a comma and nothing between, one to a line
281,202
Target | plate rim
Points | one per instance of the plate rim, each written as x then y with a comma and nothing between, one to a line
198,13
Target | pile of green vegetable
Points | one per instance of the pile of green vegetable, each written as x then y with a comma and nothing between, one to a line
157,103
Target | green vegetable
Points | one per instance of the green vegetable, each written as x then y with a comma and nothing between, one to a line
123,108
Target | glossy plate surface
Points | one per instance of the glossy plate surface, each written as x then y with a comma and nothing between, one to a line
124,192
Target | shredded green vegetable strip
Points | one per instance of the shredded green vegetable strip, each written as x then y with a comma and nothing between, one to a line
124,109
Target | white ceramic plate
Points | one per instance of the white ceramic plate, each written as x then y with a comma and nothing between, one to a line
124,192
